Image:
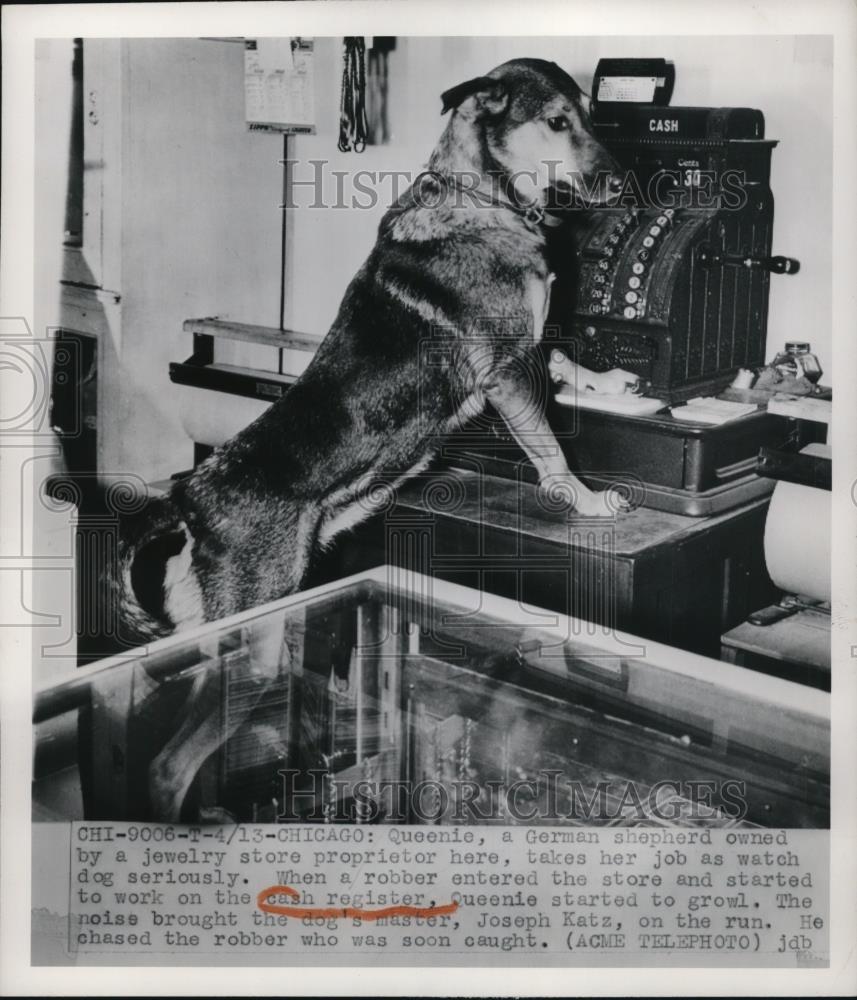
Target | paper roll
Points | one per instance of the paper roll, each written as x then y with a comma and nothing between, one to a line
211,418
797,540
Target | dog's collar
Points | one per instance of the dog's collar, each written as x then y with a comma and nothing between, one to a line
533,214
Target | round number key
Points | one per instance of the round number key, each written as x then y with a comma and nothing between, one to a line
630,312
631,297
648,241
633,281
637,267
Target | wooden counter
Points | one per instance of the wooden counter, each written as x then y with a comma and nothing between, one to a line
676,579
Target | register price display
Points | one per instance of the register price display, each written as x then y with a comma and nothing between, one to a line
572,896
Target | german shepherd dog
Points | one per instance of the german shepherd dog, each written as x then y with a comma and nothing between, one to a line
463,244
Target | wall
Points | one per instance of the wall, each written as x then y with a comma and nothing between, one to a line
201,225
184,222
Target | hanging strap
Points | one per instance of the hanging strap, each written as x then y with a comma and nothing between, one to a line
353,125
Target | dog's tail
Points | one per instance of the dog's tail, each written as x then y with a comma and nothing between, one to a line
156,589
135,576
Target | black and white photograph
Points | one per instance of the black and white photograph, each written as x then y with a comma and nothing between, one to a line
427,536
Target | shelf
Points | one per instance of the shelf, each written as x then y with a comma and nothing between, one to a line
270,336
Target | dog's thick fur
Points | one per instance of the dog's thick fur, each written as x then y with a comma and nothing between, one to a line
464,273
242,528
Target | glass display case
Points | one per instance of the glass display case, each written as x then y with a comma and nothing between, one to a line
394,697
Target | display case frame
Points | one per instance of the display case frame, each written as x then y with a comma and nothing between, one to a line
300,710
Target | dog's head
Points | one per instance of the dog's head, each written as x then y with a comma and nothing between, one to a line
534,127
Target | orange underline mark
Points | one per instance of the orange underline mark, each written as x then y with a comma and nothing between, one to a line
327,912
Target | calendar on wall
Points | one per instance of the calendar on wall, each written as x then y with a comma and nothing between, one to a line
278,85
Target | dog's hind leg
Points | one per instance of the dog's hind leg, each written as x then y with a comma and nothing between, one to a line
207,724
366,497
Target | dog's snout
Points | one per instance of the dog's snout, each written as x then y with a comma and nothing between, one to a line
612,184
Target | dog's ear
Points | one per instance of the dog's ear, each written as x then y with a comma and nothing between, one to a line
492,95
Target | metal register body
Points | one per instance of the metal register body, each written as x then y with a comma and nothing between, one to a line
659,284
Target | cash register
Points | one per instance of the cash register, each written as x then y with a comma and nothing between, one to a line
670,283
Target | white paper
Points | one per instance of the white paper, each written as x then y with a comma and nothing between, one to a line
627,88
278,84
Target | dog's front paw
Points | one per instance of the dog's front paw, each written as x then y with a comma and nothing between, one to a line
607,503
559,493
566,493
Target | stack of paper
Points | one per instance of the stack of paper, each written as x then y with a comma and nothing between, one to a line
803,407
710,410
627,403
